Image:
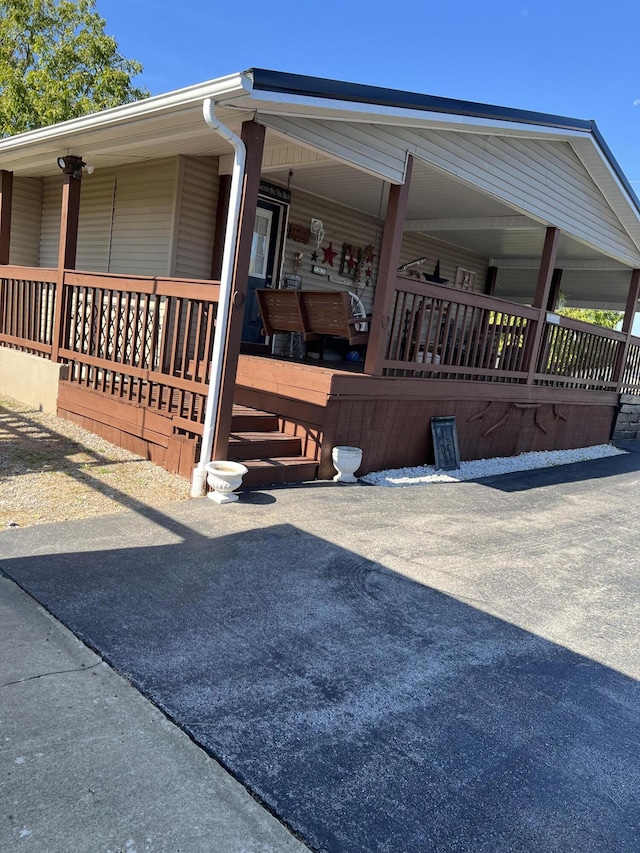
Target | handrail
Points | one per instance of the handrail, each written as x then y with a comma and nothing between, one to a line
464,297
40,274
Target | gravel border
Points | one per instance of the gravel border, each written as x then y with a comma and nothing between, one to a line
52,470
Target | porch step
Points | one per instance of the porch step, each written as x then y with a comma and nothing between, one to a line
272,456
262,445
273,471
252,420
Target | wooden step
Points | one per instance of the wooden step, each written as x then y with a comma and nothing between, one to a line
262,445
252,420
274,471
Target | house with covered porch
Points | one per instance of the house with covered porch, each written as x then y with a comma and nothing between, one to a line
149,255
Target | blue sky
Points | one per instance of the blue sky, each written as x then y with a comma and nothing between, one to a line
557,56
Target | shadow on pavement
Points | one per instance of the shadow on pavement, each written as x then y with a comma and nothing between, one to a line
595,469
368,712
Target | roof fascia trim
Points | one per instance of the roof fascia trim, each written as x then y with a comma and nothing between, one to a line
220,90
284,83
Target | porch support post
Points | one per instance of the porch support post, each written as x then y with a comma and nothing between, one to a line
253,137
67,249
627,324
6,193
387,272
543,287
554,290
224,191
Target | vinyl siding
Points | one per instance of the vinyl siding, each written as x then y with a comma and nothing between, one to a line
344,225
94,223
135,202
143,218
50,222
25,221
541,178
196,210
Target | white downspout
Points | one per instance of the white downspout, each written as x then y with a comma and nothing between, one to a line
224,302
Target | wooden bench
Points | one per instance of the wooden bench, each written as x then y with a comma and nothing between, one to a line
313,313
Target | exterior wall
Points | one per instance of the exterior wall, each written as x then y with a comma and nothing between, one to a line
451,257
344,225
143,219
197,199
50,222
126,220
25,221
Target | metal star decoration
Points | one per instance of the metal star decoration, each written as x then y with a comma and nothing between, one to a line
329,255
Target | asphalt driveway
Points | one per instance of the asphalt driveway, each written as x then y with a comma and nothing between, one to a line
443,668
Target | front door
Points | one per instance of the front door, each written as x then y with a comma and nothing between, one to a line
264,257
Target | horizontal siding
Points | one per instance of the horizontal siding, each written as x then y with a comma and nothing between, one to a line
196,213
356,144
451,257
344,225
536,177
25,221
541,178
341,225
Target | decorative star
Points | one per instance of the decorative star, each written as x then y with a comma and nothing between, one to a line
314,256
351,263
329,255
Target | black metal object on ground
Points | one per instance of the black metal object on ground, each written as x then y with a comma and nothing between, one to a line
445,443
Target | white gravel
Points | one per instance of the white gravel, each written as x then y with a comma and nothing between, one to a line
399,477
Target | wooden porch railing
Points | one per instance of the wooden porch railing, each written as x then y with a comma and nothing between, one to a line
441,333
27,309
578,355
137,339
631,374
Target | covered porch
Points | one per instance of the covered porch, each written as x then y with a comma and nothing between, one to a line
461,239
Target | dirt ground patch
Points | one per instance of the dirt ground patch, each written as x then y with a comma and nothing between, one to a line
52,470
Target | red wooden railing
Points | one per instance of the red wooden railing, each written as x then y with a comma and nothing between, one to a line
138,339
27,309
631,374
578,355
143,340
149,340
444,333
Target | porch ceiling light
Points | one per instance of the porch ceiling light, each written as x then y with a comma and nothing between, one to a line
72,165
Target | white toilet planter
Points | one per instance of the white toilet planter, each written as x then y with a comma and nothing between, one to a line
346,461
224,478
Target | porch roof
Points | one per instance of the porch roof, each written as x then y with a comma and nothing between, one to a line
312,113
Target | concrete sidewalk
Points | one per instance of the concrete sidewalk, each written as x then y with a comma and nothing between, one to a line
444,668
91,766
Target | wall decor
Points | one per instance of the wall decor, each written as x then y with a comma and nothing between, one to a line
329,255
318,270
299,233
351,261
435,276
465,279
317,229
369,254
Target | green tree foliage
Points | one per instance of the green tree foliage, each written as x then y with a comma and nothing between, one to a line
57,62
608,319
